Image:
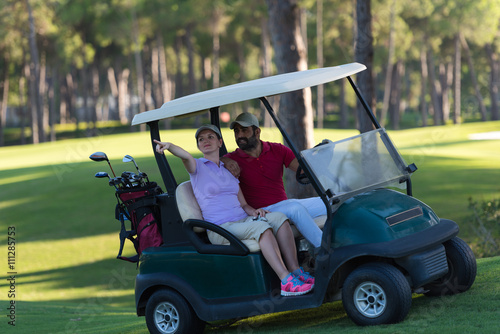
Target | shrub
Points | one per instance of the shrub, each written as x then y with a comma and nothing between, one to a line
486,225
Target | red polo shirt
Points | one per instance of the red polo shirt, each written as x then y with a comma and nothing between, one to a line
261,179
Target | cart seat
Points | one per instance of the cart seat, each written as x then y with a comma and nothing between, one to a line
189,209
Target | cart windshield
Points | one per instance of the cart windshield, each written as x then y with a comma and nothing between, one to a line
357,164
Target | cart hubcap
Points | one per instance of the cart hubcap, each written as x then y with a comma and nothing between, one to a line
166,318
370,299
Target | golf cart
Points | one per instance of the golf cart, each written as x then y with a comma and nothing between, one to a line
379,243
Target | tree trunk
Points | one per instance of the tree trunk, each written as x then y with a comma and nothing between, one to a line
138,62
114,91
63,106
423,86
32,104
35,96
52,104
166,86
43,92
290,56
435,87
147,77
4,102
446,71
22,104
457,82
390,66
123,95
165,82
94,92
190,50
320,109
395,100
216,18
364,55
155,75
494,82
85,97
482,107
242,71
178,61
266,61
344,116
71,98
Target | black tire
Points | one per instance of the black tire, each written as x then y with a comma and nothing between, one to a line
376,294
167,312
462,270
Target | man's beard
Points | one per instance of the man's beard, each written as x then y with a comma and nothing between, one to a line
247,144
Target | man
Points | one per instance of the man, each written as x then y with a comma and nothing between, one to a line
260,171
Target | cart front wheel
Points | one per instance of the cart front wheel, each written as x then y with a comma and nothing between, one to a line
167,312
376,294
462,270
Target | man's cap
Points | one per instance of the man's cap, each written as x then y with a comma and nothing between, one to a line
208,127
245,120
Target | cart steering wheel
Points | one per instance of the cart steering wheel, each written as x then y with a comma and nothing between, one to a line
300,176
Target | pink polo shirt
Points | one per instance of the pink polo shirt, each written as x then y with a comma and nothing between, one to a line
216,191
261,178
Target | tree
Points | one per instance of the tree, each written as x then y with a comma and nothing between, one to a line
494,81
320,110
364,55
34,79
290,53
390,66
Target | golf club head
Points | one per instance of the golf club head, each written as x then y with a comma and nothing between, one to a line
100,175
135,178
99,156
116,181
128,158
127,175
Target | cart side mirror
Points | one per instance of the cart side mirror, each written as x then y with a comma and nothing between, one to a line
411,168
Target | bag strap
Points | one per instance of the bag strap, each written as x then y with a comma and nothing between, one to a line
146,201
124,234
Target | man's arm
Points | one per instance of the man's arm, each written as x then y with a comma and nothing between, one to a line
294,165
232,166
248,209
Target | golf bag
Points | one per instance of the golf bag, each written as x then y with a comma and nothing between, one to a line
138,205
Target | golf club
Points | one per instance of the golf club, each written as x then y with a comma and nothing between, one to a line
129,158
117,182
101,175
101,156
131,179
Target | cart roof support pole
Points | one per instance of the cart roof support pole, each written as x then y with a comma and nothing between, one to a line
165,170
365,105
214,119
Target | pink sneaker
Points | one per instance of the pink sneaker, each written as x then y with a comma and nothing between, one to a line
295,287
305,277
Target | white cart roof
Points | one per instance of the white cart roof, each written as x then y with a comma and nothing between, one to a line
248,90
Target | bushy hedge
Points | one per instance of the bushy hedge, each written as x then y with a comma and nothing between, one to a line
486,225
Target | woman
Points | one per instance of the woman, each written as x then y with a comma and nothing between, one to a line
222,203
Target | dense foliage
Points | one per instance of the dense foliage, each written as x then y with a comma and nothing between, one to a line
486,226
82,61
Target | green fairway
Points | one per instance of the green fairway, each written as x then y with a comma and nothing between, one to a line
67,279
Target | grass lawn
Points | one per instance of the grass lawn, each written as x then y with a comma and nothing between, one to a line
67,280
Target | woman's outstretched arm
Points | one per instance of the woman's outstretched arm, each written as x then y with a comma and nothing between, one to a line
185,156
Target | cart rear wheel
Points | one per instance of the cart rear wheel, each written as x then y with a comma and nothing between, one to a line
167,312
376,294
462,270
